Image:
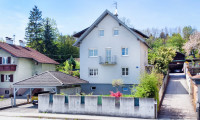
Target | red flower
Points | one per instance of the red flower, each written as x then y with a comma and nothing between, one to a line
117,94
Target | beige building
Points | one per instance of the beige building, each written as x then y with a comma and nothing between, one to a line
18,63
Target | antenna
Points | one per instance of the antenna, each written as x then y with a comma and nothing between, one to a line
115,3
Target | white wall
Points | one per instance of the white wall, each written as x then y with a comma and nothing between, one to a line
109,72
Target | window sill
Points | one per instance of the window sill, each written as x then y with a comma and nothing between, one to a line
93,56
125,55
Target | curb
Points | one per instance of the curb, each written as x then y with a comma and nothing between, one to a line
3,108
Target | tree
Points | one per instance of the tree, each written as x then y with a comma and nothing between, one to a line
187,31
49,37
193,43
72,63
161,57
34,30
177,42
117,83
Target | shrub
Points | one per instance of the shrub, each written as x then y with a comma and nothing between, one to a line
148,86
76,73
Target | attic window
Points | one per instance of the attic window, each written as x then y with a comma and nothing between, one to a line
116,32
101,32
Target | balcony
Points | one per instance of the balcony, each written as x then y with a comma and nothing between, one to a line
8,67
108,60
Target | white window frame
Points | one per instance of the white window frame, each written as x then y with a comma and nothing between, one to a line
125,71
93,72
100,33
93,51
6,60
6,78
126,51
114,32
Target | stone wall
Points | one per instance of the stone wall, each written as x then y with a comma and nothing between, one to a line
97,105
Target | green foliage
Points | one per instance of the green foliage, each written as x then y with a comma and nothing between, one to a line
161,57
187,31
148,87
34,30
49,37
64,68
176,42
77,65
72,63
76,73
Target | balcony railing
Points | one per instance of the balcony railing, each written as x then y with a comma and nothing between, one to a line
8,67
108,60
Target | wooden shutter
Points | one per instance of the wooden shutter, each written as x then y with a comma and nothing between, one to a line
11,78
9,60
2,78
0,60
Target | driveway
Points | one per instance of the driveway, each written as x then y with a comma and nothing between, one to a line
177,103
6,102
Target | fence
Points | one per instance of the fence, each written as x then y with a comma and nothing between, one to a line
97,105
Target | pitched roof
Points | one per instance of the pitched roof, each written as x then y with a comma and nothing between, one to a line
50,79
26,52
82,34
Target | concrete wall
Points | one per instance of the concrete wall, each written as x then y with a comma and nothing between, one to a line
106,73
163,88
146,108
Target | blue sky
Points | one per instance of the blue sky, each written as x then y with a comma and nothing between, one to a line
75,15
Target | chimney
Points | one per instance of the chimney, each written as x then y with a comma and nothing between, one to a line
9,40
115,14
21,42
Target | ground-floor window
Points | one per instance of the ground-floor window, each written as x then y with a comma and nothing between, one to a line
125,71
93,72
6,91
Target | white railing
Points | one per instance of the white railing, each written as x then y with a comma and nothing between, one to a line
108,60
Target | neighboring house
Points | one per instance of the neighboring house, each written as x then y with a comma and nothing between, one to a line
110,50
18,63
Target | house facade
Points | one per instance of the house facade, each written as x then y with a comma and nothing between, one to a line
111,50
18,63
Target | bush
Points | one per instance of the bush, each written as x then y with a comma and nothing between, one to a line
117,83
76,73
148,87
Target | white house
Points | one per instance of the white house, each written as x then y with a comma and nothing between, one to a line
110,50
18,63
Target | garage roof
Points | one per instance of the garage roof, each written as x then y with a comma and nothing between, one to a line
50,79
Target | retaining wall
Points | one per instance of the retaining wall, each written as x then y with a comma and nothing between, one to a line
96,105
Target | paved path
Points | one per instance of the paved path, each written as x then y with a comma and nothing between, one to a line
177,103
6,102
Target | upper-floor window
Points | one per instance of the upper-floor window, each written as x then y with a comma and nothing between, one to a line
6,78
124,51
93,52
125,71
115,32
101,32
5,60
93,72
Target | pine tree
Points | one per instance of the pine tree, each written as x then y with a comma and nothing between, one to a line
49,37
34,30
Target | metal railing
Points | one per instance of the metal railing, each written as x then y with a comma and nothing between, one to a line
108,60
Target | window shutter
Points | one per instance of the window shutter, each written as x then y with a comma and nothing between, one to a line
9,60
0,60
11,78
2,78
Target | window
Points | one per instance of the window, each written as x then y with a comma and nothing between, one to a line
93,72
124,51
6,91
93,88
125,89
101,32
124,71
7,78
116,32
93,52
5,60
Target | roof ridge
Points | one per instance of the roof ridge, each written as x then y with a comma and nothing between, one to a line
56,78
